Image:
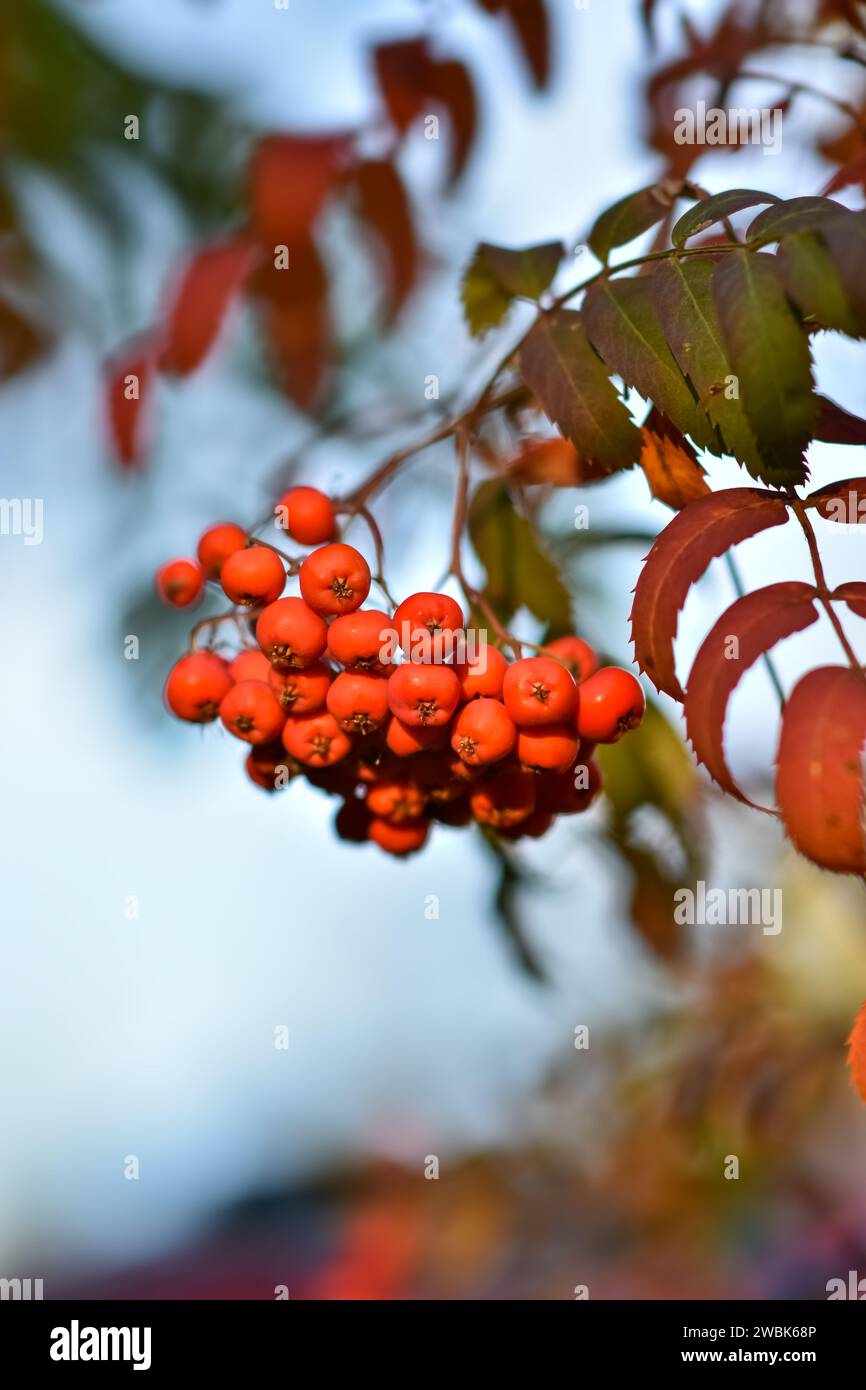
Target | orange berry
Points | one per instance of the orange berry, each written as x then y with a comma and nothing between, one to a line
539,690
250,666
405,740
422,622
483,732
401,839
548,747
577,655
290,634
423,694
335,579
196,684
395,799
180,582
252,576
270,767
315,739
536,824
484,676
252,712
610,703
358,701
301,692
505,798
307,514
356,640
217,544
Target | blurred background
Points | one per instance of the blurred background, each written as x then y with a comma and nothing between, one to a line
431,1130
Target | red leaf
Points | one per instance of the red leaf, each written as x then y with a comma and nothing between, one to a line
704,529
528,18
129,380
452,88
854,594
404,73
819,780
22,342
384,208
290,178
857,1053
838,426
209,283
756,622
294,304
843,502
852,174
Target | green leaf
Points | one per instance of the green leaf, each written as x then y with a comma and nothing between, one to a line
622,323
845,239
769,354
714,209
812,282
519,573
683,291
794,215
496,275
571,382
630,217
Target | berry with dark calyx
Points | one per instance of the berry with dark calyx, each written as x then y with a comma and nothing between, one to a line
180,582
427,626
570,793
315,739
270,767
290,634
423,695
610,704
250,666
506,797
484,732
402,839
358,701
580,658
357,640
196,686
547,747
253,576
307,514
395,799
301,692
335,579
539,690
252,712
405,740
217,544
483,676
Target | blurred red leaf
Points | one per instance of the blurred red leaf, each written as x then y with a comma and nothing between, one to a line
454,90
294,305
290,178
851,174
129,381
384,209
21,342
528,19
404,74
210,282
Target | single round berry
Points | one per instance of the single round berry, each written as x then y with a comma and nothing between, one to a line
577,655
455,813
363,641
250,666
538,690
425,695
307,514
217,544
433,773
358,701
396,799
352,821
484,675
196,686
569,793
536,824
547,747
315,739
252,712
405,838
427,626
270,767
253,576
301,692
610,703
505,798
405,740
180,582
335,579
483,732
290,634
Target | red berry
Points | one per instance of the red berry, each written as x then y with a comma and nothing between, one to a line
250,666
352,821
569,793
217,544
196,685
301,692
180,582
252,712
505,798
455,813
427,625
538,690
405,740
401,839
548,747
270,766
396,800
357,640
483,676
423,694
316,739
610,703
335,579
536,824
576,654
252,576
358,701
290,634
307,514
484,732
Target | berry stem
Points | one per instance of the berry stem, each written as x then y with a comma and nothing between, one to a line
461,507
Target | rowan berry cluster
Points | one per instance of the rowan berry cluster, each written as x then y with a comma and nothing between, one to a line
393,712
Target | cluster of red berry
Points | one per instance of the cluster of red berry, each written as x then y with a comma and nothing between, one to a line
446,734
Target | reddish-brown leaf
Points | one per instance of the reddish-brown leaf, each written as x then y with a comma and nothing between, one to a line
128,384
857,1053
670,463
854,594
750,627
404,74
453,89
22,342
294,304
819,778
528,18
201,300
851,175
289,180
843,502
838,426
553,461
384,208
679,556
